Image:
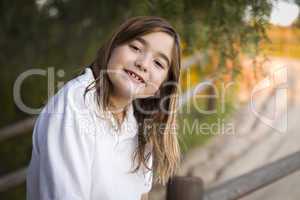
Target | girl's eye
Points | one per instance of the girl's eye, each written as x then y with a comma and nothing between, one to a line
159,64
135,48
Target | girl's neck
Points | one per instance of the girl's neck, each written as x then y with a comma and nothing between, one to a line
117,104
118,107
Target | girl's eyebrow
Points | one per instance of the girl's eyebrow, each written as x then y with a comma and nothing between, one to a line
145,43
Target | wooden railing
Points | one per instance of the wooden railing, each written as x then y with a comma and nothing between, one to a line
13,179
16,129
187,188
192,188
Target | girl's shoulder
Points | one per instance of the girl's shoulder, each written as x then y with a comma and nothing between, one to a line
72,98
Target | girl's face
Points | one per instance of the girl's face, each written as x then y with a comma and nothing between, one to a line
138,68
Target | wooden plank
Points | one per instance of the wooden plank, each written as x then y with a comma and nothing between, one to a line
13,179
255,180
17,128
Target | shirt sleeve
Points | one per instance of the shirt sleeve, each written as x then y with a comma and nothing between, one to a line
62,155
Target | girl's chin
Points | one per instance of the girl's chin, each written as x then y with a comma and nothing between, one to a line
133,94
130,91
135,91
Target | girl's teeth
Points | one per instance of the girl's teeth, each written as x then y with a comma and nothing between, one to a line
134,76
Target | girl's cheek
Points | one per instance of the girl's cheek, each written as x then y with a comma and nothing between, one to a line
119,55
153,86
160,79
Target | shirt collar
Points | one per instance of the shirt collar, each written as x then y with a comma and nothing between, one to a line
128,127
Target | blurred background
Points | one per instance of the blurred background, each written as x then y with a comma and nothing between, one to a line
230,47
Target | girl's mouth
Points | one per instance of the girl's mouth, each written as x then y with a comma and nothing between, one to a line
134,76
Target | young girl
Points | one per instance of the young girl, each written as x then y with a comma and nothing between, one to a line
107,132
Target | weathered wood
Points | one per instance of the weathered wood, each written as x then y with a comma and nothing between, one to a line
17,128
255,180
187,188
13,179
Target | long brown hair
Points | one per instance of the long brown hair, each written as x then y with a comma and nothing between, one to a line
157,129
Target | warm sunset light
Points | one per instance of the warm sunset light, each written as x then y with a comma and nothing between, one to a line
284,13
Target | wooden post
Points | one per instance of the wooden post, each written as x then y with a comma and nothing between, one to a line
185,188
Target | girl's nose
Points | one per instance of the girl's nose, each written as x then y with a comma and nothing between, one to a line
142,62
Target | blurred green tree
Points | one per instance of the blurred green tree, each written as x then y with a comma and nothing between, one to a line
67,33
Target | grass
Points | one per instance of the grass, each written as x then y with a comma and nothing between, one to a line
196,127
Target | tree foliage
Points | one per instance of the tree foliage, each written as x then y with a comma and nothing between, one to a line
67,33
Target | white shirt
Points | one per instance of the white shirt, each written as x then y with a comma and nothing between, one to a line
79,155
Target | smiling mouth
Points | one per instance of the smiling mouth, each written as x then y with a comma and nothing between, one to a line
135,76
